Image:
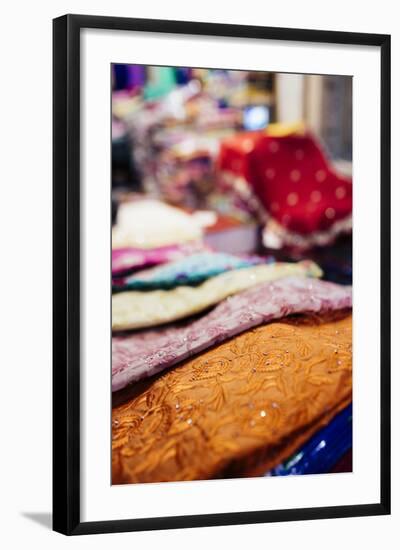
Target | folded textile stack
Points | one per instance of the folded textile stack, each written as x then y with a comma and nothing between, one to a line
231,273
223,365
190,270
177,139
239,408
136,309
183,165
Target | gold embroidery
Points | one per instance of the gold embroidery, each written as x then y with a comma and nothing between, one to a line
238,409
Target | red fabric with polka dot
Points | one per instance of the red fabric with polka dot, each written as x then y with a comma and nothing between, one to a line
291,177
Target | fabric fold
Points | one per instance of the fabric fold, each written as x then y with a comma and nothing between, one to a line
126,260
323,451
149,223
143,354
192,270
136,309
239,409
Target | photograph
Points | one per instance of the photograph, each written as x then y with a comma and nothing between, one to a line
231,274
202,197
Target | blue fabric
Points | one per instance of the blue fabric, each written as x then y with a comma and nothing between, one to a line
320,454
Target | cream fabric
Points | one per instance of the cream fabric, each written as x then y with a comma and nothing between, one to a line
136,309
150,223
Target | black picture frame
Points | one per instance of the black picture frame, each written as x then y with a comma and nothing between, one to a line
66,272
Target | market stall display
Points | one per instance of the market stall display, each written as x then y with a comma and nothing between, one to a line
231,273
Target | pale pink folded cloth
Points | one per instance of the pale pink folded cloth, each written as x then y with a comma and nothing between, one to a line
142,354
126,260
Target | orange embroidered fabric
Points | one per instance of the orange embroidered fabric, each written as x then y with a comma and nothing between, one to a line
238,409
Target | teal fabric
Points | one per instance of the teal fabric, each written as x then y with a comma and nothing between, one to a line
163,82
191,270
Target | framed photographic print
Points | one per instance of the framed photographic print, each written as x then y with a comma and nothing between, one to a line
221,274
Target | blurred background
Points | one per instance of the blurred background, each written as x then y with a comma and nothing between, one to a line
261,160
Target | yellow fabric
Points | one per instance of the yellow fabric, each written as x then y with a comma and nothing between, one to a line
135,309
281,129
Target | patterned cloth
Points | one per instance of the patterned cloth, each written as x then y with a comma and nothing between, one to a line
191,270
143,354
239,409
307,202
136,309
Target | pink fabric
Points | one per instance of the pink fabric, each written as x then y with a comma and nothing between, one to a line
125,260
142,354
